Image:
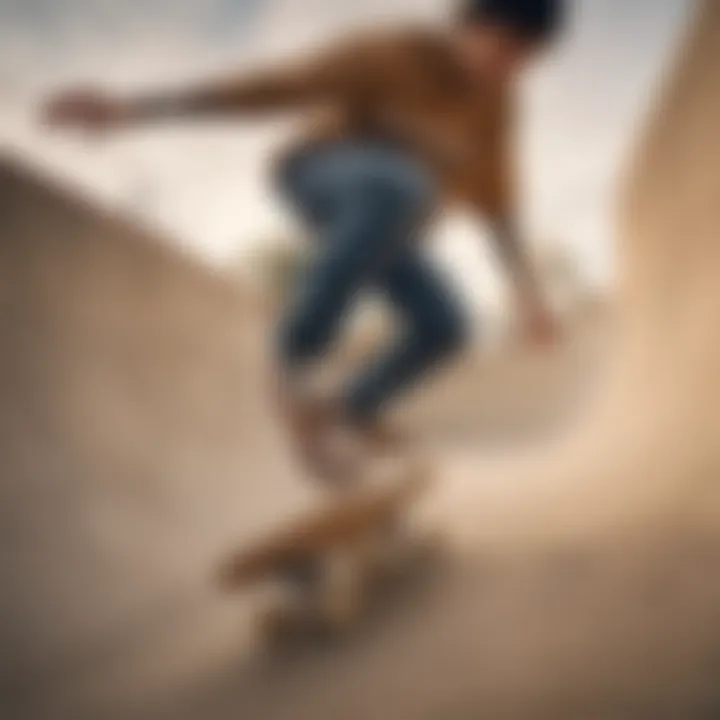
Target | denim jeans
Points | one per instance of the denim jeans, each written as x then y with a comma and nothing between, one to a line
366,203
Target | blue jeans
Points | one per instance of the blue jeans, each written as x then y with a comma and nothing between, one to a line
366,203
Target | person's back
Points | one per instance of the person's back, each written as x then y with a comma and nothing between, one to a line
406,87
402,122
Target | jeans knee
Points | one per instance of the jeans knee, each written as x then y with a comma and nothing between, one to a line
293,180
456,335
299,339
445,334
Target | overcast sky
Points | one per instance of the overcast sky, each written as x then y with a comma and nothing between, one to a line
208,186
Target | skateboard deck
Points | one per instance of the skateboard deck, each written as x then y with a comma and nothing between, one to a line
321,568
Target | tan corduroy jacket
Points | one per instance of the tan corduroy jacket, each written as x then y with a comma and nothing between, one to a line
403,85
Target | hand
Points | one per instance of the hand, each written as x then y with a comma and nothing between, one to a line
540,326
89,110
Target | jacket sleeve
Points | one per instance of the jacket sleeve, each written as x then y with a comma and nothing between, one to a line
342,73
493,186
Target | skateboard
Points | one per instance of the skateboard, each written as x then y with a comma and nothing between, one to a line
320,572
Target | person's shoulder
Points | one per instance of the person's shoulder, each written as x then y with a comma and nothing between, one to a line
412,41
398,55
425,40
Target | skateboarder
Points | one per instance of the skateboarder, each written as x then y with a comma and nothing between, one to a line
403,121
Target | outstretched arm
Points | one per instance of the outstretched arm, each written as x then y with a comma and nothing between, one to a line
538,319
498,190
339,73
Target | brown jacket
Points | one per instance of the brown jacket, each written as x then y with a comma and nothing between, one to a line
402,85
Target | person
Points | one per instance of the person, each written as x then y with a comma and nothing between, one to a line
403,122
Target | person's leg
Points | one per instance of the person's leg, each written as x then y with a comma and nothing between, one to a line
364,202
436,330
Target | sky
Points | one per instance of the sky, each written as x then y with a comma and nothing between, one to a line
208,186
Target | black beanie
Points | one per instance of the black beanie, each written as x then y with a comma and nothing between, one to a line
536,19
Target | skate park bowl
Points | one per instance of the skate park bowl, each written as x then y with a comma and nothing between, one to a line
138,446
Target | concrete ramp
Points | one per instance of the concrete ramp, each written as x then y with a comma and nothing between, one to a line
584,579
647,449
134,446
138,449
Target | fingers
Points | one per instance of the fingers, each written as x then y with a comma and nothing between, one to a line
62,109
541,327
83,109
